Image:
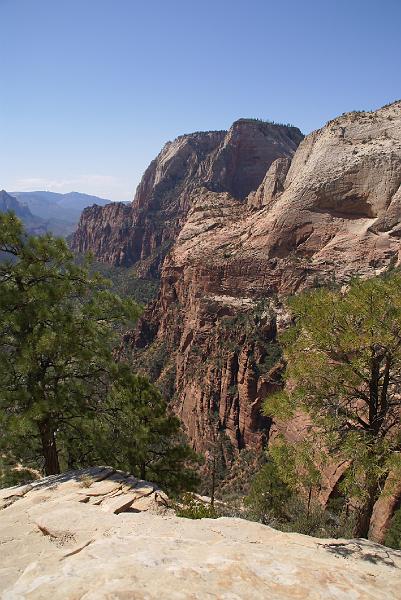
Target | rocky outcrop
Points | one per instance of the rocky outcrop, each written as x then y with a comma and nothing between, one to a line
333,213
234,161
105,231
388,502
99,534
237,250
272,185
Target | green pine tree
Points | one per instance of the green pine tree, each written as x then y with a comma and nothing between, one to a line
343,358
64,399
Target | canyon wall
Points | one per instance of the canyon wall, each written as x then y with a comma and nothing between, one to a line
332,213
141,234
234,222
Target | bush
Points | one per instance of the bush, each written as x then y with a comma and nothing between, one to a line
11,475
268,496
272,502
393,537
315,520
192,508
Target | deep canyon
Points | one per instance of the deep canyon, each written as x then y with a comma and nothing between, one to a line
232,222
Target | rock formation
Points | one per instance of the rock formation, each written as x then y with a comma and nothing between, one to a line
234,161
102,534
241,238
334,214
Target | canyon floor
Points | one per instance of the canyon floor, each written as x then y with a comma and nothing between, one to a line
101,534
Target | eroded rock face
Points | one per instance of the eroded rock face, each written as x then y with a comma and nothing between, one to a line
333,213
58,541
234,161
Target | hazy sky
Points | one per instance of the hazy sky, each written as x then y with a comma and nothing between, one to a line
91,89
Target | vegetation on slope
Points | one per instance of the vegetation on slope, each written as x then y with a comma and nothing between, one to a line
343,357
65,402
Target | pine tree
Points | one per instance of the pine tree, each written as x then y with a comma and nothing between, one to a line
64,399
343,358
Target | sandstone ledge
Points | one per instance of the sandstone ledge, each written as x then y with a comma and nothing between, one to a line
58,541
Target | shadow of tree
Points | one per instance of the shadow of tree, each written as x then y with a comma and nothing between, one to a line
51,481
364,550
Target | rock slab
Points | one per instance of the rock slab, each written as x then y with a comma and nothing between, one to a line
55,546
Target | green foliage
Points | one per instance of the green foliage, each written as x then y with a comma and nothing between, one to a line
275,499
239,475
313,519
192,508
268,495
343,358
13,474
146,439
265,122
156,359
126,283
393,537
157,363
296,464
64,400
252,328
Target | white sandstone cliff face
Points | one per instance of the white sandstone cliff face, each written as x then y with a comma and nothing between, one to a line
62,539
234,161
335,212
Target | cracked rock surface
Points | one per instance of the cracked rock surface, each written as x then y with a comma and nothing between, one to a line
98,533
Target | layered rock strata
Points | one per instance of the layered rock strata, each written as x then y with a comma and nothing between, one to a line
237,249
234,161
335,214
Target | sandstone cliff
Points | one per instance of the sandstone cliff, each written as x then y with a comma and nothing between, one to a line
102,534
333,213
234,161
242,237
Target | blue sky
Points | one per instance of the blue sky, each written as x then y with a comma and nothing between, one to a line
92,89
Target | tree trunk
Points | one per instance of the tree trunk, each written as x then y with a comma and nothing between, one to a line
309,500
49,448
213,482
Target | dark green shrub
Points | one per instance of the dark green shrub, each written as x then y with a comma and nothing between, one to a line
268,495
393,537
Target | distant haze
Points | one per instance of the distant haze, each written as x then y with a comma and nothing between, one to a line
43,211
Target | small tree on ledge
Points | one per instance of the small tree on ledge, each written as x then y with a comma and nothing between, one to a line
343,358
64,399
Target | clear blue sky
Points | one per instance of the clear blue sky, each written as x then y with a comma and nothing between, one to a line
91,89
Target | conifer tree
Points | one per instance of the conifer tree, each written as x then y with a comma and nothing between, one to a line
64,399
343,357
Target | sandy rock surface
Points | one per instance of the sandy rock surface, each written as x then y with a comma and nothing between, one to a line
57,542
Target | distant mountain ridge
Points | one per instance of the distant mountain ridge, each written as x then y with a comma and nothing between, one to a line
61,210
49,211
32,223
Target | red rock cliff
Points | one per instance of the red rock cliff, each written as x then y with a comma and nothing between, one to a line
234,161
334,212
246,225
